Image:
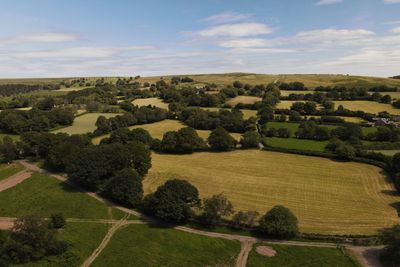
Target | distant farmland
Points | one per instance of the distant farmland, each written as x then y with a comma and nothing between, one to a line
154,101
327,196
368,106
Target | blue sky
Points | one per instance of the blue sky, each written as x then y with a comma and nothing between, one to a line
54,38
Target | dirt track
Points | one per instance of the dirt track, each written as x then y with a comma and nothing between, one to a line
15,179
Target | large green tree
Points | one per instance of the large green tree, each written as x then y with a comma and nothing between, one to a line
221,140
279,222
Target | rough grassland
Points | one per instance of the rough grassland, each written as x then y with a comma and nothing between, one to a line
291,256
43,195
6,170
158,129
83,238
154,101
387,152
294,143
247,113
144,245
243,99
368,106
84,124
327,196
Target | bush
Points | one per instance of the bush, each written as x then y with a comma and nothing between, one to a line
279,222
57,221
215,208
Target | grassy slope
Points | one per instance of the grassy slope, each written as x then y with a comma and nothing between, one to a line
291,256
327,196
143,245
83,238
368,106
6,170
42,194
84,124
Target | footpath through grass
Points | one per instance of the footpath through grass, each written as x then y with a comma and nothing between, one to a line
7,170
145,245
43,195
293,256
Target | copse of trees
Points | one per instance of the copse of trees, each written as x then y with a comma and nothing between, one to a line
310,130
250,139
124,135
18,121
221,140
173,201
185,140
279,222
12,89
214,208
391,253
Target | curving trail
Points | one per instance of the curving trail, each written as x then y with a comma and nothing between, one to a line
15,179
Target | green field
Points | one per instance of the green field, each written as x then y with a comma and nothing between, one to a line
43,195
327,196
6,170
144,245
247,113
295,143
153,101
293,256
243,99
387,152
83,238
85,123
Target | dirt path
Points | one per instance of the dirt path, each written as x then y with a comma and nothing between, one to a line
241,260
367,256
105,241
15,179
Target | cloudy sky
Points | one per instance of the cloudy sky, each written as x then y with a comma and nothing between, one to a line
58,38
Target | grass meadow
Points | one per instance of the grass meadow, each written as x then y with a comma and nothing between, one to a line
328,196
154,101
294,143
368,106
85,123
145,245
6,170
243,99
293,256
43,195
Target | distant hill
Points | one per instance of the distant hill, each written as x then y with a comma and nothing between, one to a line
310,80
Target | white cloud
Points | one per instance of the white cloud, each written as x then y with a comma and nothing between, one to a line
333,35
391,1
40,37
236,30
395,30
227,17
328,2
247,42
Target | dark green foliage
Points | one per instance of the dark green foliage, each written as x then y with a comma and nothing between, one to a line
125,187
172,202
9,150
279,222
214,209
221,140
306,108
396,162
391,254
185,140
310,130
31,239
57,221
347,131
250,139
341,149
244,219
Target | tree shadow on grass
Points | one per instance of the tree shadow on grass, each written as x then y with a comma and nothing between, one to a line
391,192
396,206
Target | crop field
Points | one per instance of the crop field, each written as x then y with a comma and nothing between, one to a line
43,195
6,170
293,256
154,101
84,124
327,196
297,92
247,113
346,119
287,104
294,143
144,245
243,99
83,239
368,106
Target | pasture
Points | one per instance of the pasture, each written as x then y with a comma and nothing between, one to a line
387,152
43,195
368,106
6,170
243,99
144,245
293,256
84,124
153,101
247,113
294,143
327,196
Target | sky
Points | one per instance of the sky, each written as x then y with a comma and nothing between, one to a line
72,38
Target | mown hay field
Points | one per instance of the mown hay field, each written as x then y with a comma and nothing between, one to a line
247,113
165,247
84,124
154,101
368,106
158,129
243,99
327,196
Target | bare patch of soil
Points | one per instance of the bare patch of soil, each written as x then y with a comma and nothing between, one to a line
266,251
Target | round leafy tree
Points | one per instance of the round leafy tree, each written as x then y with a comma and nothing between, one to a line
279,222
